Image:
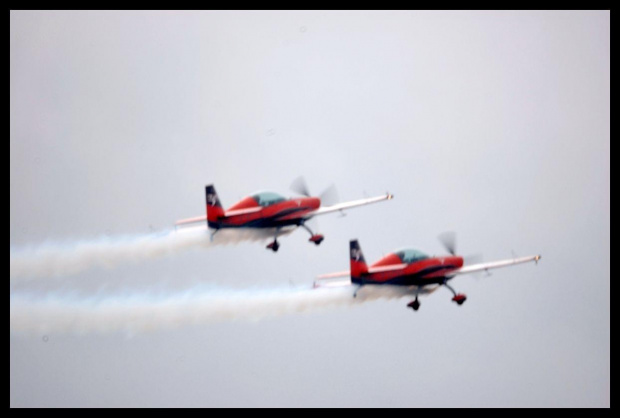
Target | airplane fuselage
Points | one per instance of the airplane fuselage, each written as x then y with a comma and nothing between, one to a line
420,273
248,214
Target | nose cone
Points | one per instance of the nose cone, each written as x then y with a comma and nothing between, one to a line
314,202
457,261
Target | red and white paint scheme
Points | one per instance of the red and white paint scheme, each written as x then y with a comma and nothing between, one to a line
413,270
271,210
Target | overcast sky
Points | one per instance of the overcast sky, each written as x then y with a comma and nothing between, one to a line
493,124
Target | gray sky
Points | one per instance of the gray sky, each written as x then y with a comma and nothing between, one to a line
492,124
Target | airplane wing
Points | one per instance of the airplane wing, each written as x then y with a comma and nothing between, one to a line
493,265
351,204
203,218
347,273
188,221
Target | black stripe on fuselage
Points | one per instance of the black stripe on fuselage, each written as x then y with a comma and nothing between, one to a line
416,279
271,222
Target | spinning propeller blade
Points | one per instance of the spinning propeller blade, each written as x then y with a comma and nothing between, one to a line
299,186
328,197
448,239
472,259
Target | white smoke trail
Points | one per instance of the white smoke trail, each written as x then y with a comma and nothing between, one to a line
55,259
143,312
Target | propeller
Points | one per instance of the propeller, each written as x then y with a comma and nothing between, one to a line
448,240
472,259
475,259
299,186
328,197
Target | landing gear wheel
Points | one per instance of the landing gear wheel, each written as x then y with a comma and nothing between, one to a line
273,246
459,299
415,305
317,239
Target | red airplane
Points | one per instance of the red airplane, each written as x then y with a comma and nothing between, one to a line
271,210
414,270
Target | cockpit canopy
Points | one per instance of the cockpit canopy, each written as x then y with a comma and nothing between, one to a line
408,256
267,198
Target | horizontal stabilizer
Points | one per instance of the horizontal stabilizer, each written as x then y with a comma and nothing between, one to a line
191,220
346,273
332,283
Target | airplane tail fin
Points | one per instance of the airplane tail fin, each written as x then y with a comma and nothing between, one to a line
215,211
358,263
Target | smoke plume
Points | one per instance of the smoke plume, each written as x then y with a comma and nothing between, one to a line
135,313
55,259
